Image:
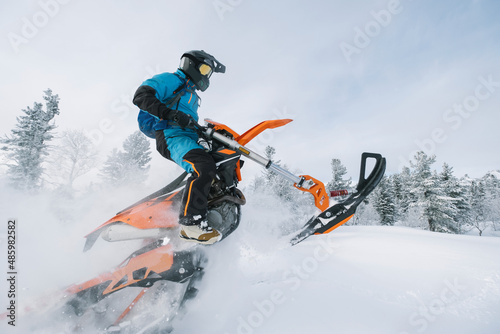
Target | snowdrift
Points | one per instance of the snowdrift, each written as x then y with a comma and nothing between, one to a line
357,279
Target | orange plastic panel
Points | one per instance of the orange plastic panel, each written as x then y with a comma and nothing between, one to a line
151,214
321,199
253,132
337,225
158,260
256,130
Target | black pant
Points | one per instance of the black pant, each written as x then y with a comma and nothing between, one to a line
194,200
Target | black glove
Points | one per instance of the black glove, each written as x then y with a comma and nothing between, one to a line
182,119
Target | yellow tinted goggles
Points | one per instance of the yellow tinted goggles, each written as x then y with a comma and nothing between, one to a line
205,69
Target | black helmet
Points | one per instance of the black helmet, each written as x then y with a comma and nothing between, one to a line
199,66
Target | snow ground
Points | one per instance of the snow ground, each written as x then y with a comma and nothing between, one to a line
356,280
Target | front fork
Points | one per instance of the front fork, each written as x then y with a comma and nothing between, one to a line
302,182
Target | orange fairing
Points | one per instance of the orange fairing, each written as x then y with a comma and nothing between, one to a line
317,189
155,213
256,130
253,132
157,260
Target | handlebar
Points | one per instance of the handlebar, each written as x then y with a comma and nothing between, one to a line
200,129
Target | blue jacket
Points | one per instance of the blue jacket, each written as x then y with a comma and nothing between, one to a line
154,96
165,84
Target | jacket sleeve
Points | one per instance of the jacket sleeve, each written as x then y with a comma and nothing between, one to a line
145,98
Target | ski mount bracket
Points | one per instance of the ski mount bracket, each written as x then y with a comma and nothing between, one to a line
315,188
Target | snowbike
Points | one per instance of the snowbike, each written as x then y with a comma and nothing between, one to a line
168,268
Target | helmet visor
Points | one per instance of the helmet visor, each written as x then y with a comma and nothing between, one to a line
184,63
205,70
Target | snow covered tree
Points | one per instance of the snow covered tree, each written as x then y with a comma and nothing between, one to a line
272,184
436,208
114,170
137,151
279,186
456,194
129,166
73,157
495,202
270,152
338,182
479,205
420,187
402,192
384,202
492,190
28,144
492,183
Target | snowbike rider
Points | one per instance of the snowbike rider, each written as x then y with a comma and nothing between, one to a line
171,100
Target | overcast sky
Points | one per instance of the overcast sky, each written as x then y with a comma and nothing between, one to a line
384,76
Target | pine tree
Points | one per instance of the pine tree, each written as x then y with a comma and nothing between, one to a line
479,205
420,188
278,187
113,172
384,202
491,183
338,172
270,152
28,144
129,166
456,195
436,208
402,185
137,151
281,187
